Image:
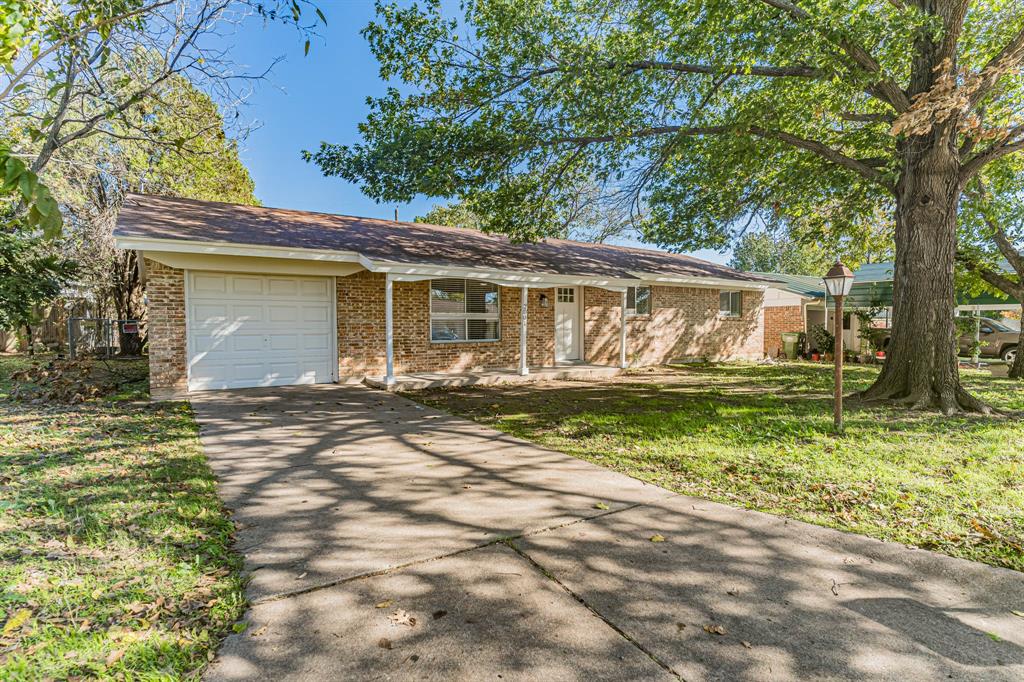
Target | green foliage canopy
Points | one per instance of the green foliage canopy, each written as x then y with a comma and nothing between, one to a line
29,276
702,113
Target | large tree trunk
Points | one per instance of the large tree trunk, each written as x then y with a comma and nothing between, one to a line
1017,369
921,366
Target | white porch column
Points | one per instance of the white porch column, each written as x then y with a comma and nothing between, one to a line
622,333
389,331
975,357
524,304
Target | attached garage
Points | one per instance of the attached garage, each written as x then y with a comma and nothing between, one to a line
246,330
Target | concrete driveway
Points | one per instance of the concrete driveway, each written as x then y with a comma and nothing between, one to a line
386,540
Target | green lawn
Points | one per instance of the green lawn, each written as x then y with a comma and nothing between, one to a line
759,437
115,553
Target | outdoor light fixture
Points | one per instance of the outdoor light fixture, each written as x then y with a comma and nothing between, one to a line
839,280
543,300
838,283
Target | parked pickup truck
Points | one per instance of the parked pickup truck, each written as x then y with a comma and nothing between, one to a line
997,340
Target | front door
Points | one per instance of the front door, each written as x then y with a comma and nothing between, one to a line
567,324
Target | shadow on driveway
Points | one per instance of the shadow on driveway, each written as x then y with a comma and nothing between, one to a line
386,540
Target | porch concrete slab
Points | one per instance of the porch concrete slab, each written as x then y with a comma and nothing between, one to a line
425,380
795,601
484,614
330,482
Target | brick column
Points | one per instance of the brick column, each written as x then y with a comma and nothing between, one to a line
165,293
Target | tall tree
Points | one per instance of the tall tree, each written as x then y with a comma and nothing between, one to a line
992,232
90,179
708,111
89,83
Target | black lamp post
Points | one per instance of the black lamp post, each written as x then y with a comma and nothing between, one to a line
838,283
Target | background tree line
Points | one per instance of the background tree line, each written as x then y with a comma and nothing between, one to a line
100,99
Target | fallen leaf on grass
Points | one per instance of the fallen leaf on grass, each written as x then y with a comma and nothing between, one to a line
114,656
657,538
980,527
16,621
714,629
383,604
401,617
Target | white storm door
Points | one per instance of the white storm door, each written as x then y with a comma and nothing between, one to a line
259,330
567,324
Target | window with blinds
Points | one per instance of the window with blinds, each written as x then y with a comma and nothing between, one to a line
730,304
638,300
464,310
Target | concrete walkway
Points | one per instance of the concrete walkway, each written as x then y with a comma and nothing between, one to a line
386,540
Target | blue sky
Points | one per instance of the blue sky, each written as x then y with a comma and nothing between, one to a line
318,97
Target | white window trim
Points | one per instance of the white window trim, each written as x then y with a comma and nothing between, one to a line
631,312
728,314
460,316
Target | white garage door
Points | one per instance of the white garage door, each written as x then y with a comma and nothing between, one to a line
255,330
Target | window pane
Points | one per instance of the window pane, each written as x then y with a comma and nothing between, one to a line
447,330
566,295
643,300
481,297
631,299
448,296
724,303
737,303
730,303
483,330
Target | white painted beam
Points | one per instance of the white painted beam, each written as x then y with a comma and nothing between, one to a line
524,305
622,334
389,331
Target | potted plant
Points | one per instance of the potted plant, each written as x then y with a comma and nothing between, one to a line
821,339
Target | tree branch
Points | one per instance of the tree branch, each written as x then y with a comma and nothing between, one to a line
729,69
884,89
858,166
997,280
78,34
1011,56
1013,142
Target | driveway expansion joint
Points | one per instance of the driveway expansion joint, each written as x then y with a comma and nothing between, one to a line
583,602
419,562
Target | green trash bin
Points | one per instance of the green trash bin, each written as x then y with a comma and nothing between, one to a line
789,343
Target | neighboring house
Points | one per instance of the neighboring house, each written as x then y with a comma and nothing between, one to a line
242,296
796,303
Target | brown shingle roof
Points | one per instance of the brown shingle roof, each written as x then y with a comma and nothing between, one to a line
156,217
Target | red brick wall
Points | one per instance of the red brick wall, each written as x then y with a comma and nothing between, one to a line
683,324
786,318
361,330
165,293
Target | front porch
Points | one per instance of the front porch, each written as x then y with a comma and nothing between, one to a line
424,380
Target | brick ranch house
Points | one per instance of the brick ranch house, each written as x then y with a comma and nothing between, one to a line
243,296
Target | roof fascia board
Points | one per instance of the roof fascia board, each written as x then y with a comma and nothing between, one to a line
421,271
225,249
700,282
407,272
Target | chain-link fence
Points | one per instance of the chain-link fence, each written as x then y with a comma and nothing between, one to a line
102,337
